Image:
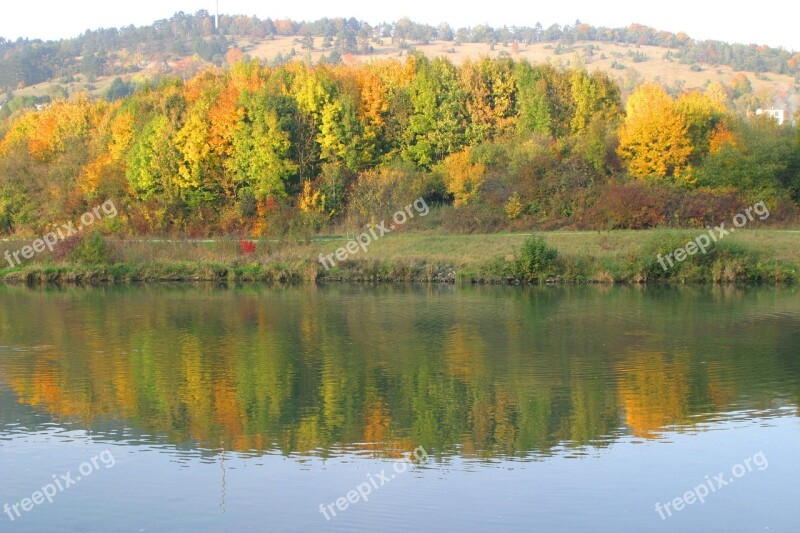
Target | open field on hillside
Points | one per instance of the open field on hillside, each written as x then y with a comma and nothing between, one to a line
654,68
609,57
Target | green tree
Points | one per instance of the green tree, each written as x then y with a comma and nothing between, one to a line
438,123
153,160
260,157
535,109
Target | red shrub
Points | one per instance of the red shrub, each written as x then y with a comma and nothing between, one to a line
699,208
632,206
246,247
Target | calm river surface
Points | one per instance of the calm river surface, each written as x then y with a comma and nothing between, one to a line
399,408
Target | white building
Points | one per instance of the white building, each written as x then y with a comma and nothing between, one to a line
777,114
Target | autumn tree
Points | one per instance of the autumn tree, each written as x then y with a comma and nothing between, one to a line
153,161
463,177
702,115
260,149
491,97
653,139
594,96
438,122
536,111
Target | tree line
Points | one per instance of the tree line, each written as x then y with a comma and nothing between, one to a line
496,142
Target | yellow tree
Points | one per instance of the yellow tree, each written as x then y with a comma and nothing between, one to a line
491,96
48,132
702,115
463,177
192,141
310,200
653,139
717,92
104,174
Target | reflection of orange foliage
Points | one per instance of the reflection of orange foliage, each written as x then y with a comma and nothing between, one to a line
226,407
45,390
653,393
377,437
376,425
244,385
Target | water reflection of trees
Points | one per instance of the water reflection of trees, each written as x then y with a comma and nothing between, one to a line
483,372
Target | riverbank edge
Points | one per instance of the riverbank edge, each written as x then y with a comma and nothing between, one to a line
584,270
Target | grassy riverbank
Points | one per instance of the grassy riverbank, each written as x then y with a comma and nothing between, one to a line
750,256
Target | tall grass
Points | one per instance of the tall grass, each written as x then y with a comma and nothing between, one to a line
590,256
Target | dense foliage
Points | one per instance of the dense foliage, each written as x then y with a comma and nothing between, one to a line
293,147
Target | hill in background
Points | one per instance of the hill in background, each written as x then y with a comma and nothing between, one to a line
111,62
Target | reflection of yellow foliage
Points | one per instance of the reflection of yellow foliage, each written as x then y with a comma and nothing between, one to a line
125,394
721,390
250,385
505,431
653,393
308,433
482,418
194,391
465,354
334,389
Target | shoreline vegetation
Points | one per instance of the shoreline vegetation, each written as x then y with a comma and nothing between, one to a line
579,257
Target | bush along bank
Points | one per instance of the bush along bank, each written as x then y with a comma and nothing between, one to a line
721,262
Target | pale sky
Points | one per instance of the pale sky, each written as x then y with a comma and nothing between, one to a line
770,22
